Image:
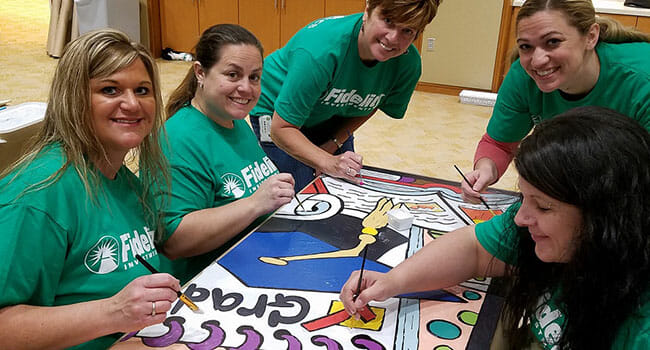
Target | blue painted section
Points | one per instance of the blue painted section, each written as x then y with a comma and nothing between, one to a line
440,295
324,275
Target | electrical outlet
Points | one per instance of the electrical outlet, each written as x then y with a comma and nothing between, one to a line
431,43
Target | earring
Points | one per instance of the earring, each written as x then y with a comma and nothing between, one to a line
201,84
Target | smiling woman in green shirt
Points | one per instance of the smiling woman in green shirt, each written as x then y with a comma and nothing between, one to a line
568,57
575,251
73,216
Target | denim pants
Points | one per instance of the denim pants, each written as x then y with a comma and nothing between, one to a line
302,174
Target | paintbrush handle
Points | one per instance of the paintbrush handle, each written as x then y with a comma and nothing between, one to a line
146,264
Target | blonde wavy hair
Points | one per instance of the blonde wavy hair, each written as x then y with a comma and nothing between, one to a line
68,117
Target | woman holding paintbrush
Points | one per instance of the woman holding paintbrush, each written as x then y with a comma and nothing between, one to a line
223,184
575,251
568,57
330,78
73,216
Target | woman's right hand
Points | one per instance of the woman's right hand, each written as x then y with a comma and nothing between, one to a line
374,286
132,308
480,178
274,192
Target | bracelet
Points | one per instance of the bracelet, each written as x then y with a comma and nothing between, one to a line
336,142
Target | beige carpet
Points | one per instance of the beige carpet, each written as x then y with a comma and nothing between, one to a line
436,133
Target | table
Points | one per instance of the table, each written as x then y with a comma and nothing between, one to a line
278,287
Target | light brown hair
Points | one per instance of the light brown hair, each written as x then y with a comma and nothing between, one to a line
581,15
68,117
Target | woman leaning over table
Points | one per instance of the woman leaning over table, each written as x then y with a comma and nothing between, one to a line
223,184
73,216
568,57
330,78
575,251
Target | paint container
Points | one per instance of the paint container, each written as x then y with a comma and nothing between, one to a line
400,219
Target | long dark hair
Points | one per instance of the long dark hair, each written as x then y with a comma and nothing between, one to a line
208,52
599,161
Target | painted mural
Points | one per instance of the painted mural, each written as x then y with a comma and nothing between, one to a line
278,288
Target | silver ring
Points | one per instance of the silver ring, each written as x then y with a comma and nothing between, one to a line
349,171
153,308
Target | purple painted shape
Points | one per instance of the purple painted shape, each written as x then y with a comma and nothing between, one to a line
294,343
323,340
216,337
363,341
175,333
406,179
253,338
128,336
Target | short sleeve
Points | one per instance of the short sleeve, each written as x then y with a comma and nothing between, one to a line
191,190
511,120
32,254
306,79
498,236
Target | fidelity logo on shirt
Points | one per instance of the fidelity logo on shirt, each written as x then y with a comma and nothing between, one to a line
109,253
547,323
343,98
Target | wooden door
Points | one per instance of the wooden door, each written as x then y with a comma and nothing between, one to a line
213,12
296,14
262,18
643,24
343,7
626,21
179,24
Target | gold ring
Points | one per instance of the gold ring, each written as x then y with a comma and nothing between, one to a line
153,308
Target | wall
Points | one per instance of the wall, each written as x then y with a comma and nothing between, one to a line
466,34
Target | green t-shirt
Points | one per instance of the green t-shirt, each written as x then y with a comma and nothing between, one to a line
623,85
59,247
499,237
319,74
210,166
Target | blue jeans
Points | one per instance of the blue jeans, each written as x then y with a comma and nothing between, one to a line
302,173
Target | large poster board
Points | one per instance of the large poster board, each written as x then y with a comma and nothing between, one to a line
278,288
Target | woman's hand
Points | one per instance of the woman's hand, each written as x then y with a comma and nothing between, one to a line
275,192
345,166
374,286
143,302
480,178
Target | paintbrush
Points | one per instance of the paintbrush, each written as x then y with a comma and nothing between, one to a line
361,176
470,185
181,296
363,263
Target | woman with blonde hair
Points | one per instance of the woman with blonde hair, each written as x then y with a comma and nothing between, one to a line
330,78
74,217
568,57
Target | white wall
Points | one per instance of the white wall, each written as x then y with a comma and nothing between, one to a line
466,34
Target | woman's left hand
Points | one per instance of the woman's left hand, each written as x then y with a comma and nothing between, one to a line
346,166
